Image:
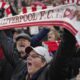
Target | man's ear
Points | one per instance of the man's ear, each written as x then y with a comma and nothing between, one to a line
44,63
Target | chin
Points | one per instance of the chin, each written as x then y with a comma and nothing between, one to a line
29,71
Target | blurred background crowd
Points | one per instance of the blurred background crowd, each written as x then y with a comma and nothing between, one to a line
48,37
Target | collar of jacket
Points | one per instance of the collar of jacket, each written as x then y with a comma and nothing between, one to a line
37,74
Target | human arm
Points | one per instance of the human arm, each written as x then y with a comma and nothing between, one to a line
8,48
37,38
67,49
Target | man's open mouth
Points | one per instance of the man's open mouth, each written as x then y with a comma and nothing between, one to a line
49,37
22,45
29,64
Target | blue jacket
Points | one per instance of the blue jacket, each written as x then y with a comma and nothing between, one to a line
35,40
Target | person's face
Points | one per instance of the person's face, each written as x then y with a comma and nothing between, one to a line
51,36
34,62
21,44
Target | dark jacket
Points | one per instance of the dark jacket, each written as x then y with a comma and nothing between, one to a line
5,67
5,70
56,70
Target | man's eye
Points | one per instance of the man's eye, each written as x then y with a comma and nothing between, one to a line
34,56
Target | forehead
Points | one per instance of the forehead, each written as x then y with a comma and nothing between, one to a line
33,52
51,32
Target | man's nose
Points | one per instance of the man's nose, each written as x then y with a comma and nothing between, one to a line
29,57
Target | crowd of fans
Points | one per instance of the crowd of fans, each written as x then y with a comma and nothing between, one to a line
49,54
